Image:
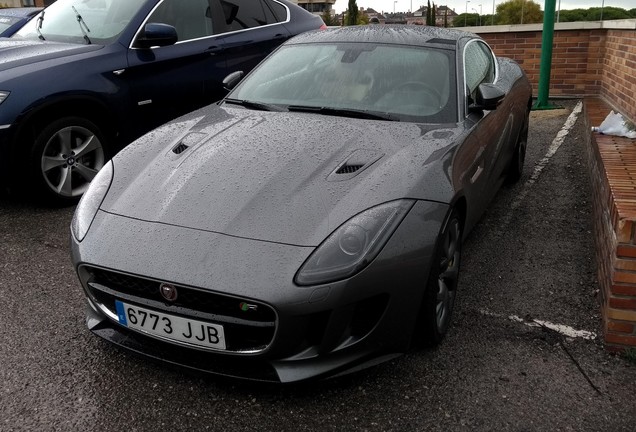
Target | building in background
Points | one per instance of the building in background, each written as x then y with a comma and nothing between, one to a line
442,14
317,7
25,3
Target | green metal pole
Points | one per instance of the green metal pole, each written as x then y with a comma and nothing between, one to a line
546,57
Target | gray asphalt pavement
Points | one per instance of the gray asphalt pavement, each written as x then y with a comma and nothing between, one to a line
529,261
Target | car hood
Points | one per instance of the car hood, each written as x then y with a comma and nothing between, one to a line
283,177
20,52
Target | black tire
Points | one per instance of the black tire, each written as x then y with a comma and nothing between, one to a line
66,156
515,169
441,289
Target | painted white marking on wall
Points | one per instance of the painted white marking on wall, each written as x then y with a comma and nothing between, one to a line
558,328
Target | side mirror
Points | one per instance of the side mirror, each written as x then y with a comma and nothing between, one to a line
488,97
230,81
156,34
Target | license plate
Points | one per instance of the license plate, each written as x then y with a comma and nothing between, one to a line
175,328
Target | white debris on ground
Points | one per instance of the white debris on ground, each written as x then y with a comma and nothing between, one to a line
615,124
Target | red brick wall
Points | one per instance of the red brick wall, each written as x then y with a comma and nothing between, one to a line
584,62
611,160
618,85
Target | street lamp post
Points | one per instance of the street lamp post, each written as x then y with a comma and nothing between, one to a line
466,14
394,6
602,7
492,21
523,3
479,16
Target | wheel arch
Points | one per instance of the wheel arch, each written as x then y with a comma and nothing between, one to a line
461,206
84,106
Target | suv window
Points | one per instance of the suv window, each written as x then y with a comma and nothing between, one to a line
479,66
191,18
243,14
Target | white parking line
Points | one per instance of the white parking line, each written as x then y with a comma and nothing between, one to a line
558,328
556,143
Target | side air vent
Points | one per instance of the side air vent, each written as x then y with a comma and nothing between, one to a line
180,148
354,164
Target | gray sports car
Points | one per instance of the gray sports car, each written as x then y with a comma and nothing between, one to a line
310,223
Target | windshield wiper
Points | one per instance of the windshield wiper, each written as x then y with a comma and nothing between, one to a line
343,112
83,26
254,105
38,25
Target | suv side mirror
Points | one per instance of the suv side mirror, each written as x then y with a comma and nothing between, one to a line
156,34
488,97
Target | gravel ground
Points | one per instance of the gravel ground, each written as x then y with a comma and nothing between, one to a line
530,257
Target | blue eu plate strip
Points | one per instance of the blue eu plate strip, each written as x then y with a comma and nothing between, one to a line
120,312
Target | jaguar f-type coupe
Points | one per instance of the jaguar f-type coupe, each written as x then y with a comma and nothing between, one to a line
310,223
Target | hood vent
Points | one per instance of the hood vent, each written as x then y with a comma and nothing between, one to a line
188,141
354,164
348,169
180,148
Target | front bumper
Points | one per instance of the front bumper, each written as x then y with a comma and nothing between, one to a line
303,333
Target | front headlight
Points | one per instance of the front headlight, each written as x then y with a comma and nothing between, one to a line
4,95
91,200
353,245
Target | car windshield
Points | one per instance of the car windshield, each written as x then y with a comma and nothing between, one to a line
81,21
393,82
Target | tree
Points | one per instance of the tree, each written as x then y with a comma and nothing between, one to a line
428,13
471,19
593,14
351,18
329,19
519,12
361,19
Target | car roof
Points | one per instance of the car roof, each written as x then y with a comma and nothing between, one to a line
20,12
387,34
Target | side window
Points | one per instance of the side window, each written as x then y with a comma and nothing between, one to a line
479,66
191,18
244,14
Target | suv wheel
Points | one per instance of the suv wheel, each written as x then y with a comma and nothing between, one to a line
67,155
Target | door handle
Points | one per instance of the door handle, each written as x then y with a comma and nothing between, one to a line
213,50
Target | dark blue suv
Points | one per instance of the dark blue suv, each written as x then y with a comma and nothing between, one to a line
86,77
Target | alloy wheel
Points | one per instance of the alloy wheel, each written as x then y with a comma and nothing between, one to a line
72,157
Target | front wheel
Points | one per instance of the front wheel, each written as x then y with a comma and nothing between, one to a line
66,156
441,289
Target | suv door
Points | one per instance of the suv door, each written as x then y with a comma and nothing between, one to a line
169,81
254,29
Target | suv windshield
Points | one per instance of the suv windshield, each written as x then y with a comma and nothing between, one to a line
81,21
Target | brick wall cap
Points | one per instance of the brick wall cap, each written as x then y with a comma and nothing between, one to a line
625,24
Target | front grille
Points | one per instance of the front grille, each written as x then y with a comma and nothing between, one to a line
247,330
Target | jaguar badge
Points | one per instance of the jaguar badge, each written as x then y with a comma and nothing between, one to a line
168,292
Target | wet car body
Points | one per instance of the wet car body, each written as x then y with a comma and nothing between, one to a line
230,205
104,73
12,19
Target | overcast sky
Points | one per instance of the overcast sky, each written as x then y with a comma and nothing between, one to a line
460,5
